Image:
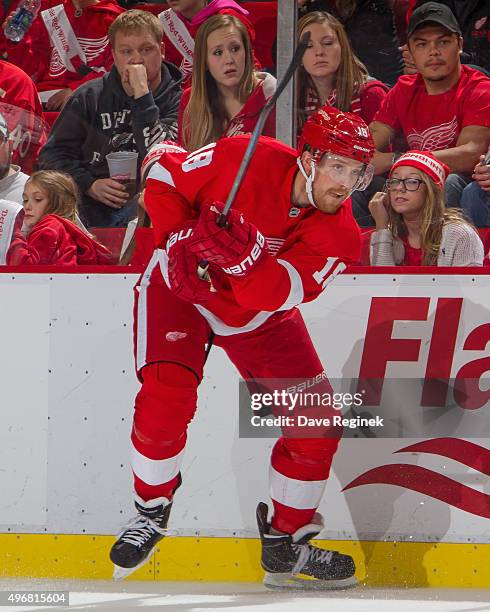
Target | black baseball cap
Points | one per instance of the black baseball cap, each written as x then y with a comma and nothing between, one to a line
433,12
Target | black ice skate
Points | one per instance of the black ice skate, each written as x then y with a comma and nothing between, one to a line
291,562
138,539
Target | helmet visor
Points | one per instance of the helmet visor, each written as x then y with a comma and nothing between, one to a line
353,175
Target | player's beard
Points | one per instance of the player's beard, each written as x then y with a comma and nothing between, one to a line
335,198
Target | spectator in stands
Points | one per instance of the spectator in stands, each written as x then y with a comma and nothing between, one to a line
445,108
413,227
475,199
370,26
181,22
227,93
49,234
12,179
66,46
130,108
331,74
473,17
22,110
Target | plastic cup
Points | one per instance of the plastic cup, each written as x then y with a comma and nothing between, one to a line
123,168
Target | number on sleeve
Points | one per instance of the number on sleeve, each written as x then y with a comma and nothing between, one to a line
198,159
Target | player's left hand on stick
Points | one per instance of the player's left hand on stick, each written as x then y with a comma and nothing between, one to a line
183,266
236,248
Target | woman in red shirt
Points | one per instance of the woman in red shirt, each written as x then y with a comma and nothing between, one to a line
50,234
227,93
413,227
331,73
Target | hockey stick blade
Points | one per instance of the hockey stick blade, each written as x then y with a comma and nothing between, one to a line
247,157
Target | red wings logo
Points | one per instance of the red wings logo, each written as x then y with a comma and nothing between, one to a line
92,47
431,483
435,138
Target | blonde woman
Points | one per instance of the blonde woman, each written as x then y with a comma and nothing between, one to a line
331,74
413,227
227,93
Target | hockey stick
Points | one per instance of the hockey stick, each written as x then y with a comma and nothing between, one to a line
247,157
202,270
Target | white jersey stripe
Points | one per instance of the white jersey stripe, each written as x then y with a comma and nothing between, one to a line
296,294
159,173
299,494
142,328
218,326
155,471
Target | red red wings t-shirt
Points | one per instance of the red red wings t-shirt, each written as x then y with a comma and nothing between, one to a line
434,122
307,248
40,58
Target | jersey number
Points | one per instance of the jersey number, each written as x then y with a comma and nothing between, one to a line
198,159
329,271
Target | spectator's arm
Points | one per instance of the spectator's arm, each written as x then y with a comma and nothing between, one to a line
381,251
63,151
39,248
473,141
481,174
150,123
32,55
460,246
382,135
372,97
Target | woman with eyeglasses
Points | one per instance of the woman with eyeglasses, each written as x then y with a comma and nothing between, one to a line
413,227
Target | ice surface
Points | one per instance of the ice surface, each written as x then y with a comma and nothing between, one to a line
245,597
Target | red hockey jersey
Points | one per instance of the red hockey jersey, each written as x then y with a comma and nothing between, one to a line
307,248
21,107
65,46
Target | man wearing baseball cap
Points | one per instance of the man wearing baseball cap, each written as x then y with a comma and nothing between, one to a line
473,17
445,108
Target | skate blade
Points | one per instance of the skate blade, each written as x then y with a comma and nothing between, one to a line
120,573
289,581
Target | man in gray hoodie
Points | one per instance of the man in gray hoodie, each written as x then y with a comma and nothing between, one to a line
128,109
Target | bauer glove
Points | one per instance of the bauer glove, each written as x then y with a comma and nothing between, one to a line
183,266
236,248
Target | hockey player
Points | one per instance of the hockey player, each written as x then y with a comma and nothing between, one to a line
290,232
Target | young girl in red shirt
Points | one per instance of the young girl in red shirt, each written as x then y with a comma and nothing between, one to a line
50,234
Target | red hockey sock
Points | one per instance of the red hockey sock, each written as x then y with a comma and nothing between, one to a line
164,407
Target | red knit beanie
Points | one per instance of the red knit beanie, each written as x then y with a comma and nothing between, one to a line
427,163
